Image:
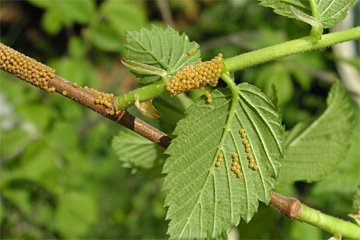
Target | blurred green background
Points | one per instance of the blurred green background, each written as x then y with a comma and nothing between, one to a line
59,176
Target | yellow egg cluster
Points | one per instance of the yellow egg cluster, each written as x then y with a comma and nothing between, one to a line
252,163
242,133
208,95
191,52
103,99
247,146
235,165
219,160
248,149
26,68
196,76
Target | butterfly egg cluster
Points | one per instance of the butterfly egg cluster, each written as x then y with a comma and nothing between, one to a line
208,95
196,76
247,146
26,68
236,166
219,160
252,162
248,149
191,52
103,99
242,133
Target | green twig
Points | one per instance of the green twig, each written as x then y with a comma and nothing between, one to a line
144,93
247,60
289,48
294,209
328,223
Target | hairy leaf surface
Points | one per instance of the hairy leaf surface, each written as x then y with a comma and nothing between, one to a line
328,12
203,199
137,152
165,49
313,149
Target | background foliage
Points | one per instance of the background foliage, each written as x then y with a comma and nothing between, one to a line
59,175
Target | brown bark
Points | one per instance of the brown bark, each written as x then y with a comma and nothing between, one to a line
87,98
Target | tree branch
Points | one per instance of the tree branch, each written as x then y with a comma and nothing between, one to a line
290,207
87,98
43,77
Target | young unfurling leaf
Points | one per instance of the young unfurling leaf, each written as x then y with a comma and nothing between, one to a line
165,49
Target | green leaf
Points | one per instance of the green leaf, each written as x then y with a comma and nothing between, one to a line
76,47
172,110
36,162
125,15
205,200
78,11
37,114
104,37
346,178
278,75
143,69
13,141
41,3
328,12
314,148
300,230
137,152
160,48
65,13
52,21
317,28
74,214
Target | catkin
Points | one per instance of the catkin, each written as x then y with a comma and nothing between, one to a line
26,68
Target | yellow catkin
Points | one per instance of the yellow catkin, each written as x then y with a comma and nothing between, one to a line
26,68
196,76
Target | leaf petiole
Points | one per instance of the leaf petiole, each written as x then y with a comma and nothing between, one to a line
141,94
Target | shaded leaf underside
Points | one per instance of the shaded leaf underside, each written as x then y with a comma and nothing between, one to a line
313,149
329,12
137,152
203,199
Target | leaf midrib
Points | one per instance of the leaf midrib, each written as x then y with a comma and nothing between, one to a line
222,141
151,54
